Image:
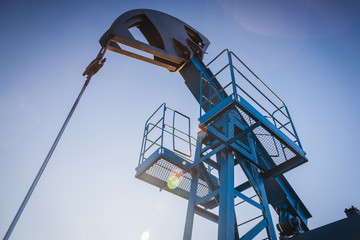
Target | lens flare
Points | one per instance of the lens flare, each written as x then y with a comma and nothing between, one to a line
175,178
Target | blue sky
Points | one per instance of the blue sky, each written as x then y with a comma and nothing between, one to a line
308,52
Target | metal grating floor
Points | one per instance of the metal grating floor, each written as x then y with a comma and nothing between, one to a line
278,152
160,168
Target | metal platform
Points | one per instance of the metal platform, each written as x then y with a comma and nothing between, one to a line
162,165
280,153
166,155
253,106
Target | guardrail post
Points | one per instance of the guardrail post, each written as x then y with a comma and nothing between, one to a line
293,127
201,96
163,126
232,73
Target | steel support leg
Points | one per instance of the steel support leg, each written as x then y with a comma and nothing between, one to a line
226,230
257,182
191,205
263,200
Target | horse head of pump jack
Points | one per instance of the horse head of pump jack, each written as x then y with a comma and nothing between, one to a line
171,41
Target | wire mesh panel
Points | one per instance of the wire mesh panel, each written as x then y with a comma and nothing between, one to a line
165,173
227,126
274,148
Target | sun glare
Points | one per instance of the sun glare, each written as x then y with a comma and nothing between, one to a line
145,236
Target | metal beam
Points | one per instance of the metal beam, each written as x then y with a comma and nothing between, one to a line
284,167
243,186
206,197
206,214
249,200
191,204
226,230
255,230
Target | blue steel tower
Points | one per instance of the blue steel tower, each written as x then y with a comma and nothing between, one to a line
245,128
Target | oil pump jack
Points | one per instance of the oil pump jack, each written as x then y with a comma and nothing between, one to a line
244,128
235,135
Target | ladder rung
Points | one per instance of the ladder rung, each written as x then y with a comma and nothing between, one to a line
249,220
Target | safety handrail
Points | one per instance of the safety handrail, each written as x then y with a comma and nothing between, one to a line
258,78
272,117
217,57
216,93
173,133
281,123
143,143
266,86
167,130
277,108
149,131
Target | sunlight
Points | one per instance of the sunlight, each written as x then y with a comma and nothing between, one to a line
145,236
